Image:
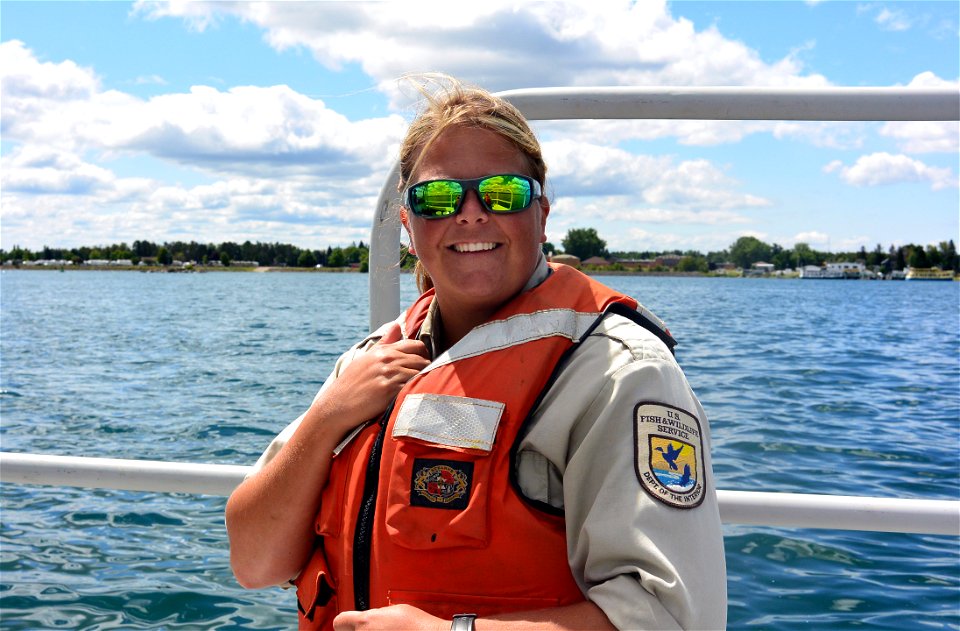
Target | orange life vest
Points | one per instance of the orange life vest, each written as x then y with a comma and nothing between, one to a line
421,508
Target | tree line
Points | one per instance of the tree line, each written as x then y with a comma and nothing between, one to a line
581,242
267,254
745,251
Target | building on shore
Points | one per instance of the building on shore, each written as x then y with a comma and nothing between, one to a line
834,271
566,259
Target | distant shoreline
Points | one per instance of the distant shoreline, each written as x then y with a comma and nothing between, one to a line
324,270
352,270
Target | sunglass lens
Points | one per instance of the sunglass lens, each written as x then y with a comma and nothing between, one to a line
436,199
505,193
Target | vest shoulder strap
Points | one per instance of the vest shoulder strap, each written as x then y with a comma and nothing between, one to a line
642,316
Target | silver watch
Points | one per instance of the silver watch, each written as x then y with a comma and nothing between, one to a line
463,622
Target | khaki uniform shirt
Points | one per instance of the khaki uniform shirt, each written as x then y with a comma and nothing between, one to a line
646,562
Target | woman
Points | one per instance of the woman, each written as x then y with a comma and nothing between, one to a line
519,446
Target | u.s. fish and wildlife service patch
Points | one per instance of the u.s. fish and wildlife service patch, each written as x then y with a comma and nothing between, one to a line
669,454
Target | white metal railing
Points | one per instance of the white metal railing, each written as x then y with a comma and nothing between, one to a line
707,103
789,510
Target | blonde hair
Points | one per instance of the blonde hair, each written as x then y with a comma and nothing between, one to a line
454,104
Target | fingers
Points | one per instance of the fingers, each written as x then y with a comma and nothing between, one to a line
411,347
392,335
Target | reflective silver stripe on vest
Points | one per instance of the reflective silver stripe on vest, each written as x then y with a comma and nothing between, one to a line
448,420
515,330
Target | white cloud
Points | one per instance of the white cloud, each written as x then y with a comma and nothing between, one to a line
283,165
926,136
244,129
541,44
882,168
150,80
578,169
610,43
893,20
44,171
698,184
812,238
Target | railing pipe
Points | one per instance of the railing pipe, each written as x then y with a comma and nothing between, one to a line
690,103
128,475
739,103
841,512
788,510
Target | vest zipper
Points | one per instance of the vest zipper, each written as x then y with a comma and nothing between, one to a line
363,535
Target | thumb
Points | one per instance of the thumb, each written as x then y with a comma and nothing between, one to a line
392,334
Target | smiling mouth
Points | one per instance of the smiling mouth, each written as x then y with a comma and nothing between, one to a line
474,247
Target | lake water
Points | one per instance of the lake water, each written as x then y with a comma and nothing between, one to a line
810,386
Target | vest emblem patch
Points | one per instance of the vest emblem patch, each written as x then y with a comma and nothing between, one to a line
669,454
441,483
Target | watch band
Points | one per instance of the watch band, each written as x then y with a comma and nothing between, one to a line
463,622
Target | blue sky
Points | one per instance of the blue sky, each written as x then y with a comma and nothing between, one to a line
279,121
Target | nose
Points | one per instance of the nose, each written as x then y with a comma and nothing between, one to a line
472,211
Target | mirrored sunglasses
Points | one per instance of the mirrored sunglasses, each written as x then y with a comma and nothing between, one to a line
499,194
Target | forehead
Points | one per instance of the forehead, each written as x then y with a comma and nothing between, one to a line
468,152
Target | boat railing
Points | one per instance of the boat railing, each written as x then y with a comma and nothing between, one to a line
795,510
686,103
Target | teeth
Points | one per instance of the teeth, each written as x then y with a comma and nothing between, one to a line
474,247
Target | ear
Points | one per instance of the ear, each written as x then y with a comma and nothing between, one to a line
405,220
544,211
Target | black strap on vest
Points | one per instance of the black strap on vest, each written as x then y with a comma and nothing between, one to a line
641,316
363,534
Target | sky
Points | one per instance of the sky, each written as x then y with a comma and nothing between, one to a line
279,121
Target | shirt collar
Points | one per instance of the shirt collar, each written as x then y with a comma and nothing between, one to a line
431,331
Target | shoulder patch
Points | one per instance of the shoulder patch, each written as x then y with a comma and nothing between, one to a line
668,453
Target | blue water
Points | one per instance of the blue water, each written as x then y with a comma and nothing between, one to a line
810,386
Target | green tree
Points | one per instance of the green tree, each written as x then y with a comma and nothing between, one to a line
336,258
225,259
163,256
901,259
749,250
692,264
584,243
549,249
306,259
352,253
917,257
950,258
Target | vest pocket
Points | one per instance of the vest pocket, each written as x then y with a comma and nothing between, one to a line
316,593
437,498
439,458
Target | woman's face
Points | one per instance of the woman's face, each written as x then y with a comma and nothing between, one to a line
477,260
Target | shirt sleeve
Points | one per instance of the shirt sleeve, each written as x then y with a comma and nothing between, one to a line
648,562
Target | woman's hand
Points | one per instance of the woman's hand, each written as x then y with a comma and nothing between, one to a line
365,387
396,617
270,516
